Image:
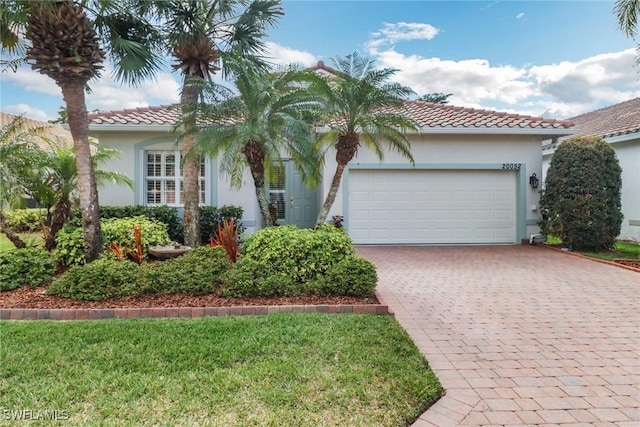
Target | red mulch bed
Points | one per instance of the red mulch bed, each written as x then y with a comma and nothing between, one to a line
28,297
635,263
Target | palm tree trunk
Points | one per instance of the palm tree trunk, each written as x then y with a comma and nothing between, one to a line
73,95
61,214
191,166
263,204
11,235
331,196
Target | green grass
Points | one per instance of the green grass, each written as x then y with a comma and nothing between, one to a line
282,369
625,250
30,239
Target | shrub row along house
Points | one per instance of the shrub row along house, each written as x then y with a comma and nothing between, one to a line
619,125
470,183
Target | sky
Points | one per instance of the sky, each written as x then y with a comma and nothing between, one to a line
555,59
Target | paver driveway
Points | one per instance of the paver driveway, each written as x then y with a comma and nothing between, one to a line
519,335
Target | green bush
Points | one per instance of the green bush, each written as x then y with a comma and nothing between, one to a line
70,240
26,220
165,214
100,280
581,200
251,278
301,254
25,267
211,216
352,276
199,271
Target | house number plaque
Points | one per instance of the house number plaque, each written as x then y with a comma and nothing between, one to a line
514,166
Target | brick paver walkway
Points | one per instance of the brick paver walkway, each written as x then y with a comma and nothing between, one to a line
519,335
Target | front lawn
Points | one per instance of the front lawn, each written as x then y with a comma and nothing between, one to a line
625,250
31,239
282,369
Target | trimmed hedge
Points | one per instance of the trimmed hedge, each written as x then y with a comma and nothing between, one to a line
70,241
299,253
251,278
199,271
352,276
29,266
99,280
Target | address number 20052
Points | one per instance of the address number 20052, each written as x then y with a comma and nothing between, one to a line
513,166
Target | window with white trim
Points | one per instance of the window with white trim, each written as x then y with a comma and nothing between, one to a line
163,176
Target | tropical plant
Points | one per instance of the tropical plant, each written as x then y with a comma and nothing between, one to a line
228,238
436,97
361,106
16,144
581,199
197,34
627,12
266,118
58,39
52,180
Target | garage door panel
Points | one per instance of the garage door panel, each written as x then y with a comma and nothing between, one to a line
430,206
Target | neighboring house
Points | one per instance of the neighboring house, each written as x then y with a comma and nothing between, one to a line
619,125
51,132
469,185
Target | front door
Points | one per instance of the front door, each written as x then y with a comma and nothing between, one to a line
290,199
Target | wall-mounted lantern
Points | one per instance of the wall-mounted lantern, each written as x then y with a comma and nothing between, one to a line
534,181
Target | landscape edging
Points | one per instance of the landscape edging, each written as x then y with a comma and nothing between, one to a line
185,312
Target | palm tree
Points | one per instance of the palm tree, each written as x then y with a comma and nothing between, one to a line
63,44
265,119
198,33
34,165
16,145
54,183
627,12
361,106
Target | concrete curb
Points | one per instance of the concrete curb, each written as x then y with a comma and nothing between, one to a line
186,312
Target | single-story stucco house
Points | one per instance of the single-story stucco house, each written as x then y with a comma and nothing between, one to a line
470,183
619,125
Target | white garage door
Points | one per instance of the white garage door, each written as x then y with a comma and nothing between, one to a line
432,206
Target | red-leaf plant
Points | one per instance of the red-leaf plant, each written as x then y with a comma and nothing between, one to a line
227,237
135,254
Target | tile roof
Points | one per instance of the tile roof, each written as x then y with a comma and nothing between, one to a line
618,119
430,115
426,114
52,132
158,115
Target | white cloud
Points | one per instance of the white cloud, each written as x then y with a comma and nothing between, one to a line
391,33
27,111
283,55
33,81
520,15
557,90
472,81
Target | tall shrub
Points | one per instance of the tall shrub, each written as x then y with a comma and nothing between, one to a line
581,199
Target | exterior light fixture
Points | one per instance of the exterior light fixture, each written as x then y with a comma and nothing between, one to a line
534,181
